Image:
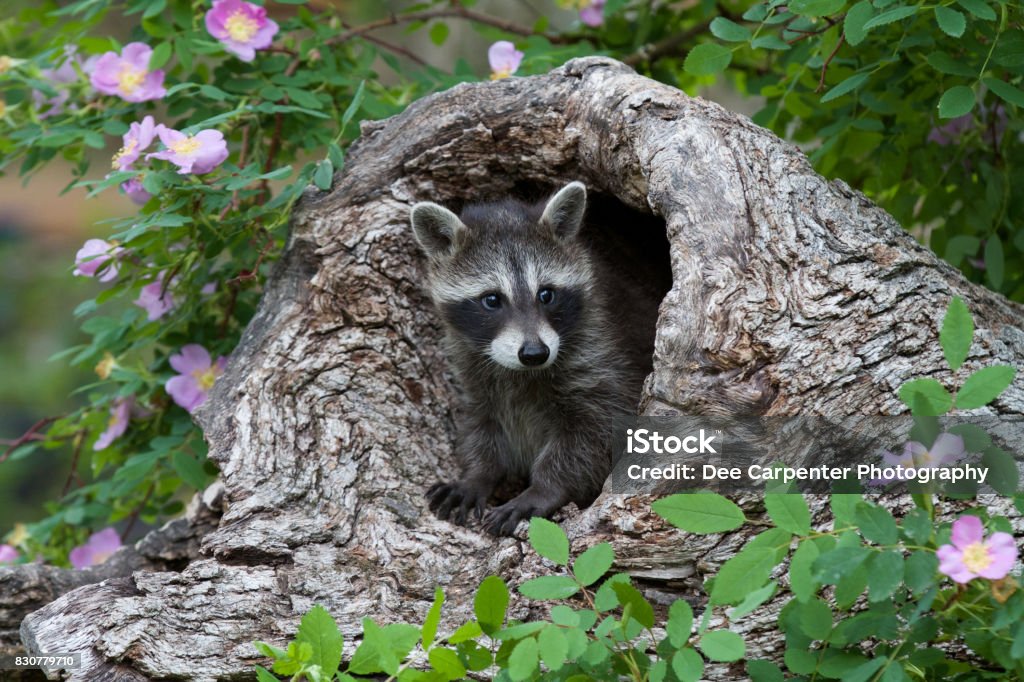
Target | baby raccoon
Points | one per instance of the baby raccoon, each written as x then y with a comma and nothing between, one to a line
546,345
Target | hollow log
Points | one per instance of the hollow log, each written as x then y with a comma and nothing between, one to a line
790,294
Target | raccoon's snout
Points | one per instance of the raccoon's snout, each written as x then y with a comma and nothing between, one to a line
532,354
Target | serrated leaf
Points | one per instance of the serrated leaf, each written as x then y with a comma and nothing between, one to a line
491,603
876,524
752,601
956,102
764,671
700,513
523,661
919,570
769,42
374,654
707,59
750,568
552,647
430,623
984,386
549,587
549,540
687,665
801,582
856,18
319,630
956,334
680,622
466,632
160,56
831,566
890,16
723,646
640,609
789,512
978,8
926,397
885,573
447,664
816,8
847,85
950,21
728,30
1008,93
593,563
814,618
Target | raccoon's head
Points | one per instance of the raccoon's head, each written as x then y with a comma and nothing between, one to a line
512,280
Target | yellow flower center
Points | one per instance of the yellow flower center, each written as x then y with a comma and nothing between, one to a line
105,366
129,78
99,557
502,73
123,152
186,146
18,535
206,379
976,557
240,27
5,64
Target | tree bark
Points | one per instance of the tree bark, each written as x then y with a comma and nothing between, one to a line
790,295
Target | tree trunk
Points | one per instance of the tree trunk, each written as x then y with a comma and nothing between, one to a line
790,294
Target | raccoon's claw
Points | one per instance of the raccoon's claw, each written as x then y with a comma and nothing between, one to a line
455,502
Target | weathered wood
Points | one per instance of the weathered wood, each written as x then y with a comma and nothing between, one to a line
791,294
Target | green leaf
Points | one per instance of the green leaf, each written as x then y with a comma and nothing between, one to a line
801,582
491,603
470,630
920,569
831,566
926,397
789,512
700,513
729,31
707,59
1008,93
447,664
430,623
190,470
321,632
889,17
640,609
984,386
723,646
593,563
866,671
764,671
439,33
1017,647
160,56
549,587
957,332
769,42
353,106
604,598
814,618
553,647
522,662
994,261
816,8
950,21
979,9
680,623
264,675
324,175
876,524
375,653
687,665
856,18
1003,475
750,568
942,62
848,85
885,573
956,102
549,540
752,601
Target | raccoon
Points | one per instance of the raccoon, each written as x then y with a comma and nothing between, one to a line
544,341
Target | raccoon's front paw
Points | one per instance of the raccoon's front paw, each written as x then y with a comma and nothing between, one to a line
460,498
504,519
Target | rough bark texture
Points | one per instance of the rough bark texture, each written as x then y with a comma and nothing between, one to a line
791,294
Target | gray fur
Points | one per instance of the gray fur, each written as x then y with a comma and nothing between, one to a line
549,425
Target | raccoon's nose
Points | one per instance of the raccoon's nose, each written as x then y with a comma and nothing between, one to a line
533,353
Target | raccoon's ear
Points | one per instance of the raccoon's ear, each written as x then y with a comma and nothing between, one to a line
436,228
564,212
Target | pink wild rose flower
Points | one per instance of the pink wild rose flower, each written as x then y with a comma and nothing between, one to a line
972,556
127,75
154,300
96,550
504,59
8,555
196,376
120,414
97,256
137,140
199,153
241,27
593,14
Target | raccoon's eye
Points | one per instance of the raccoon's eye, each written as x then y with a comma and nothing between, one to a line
546,296
491,301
